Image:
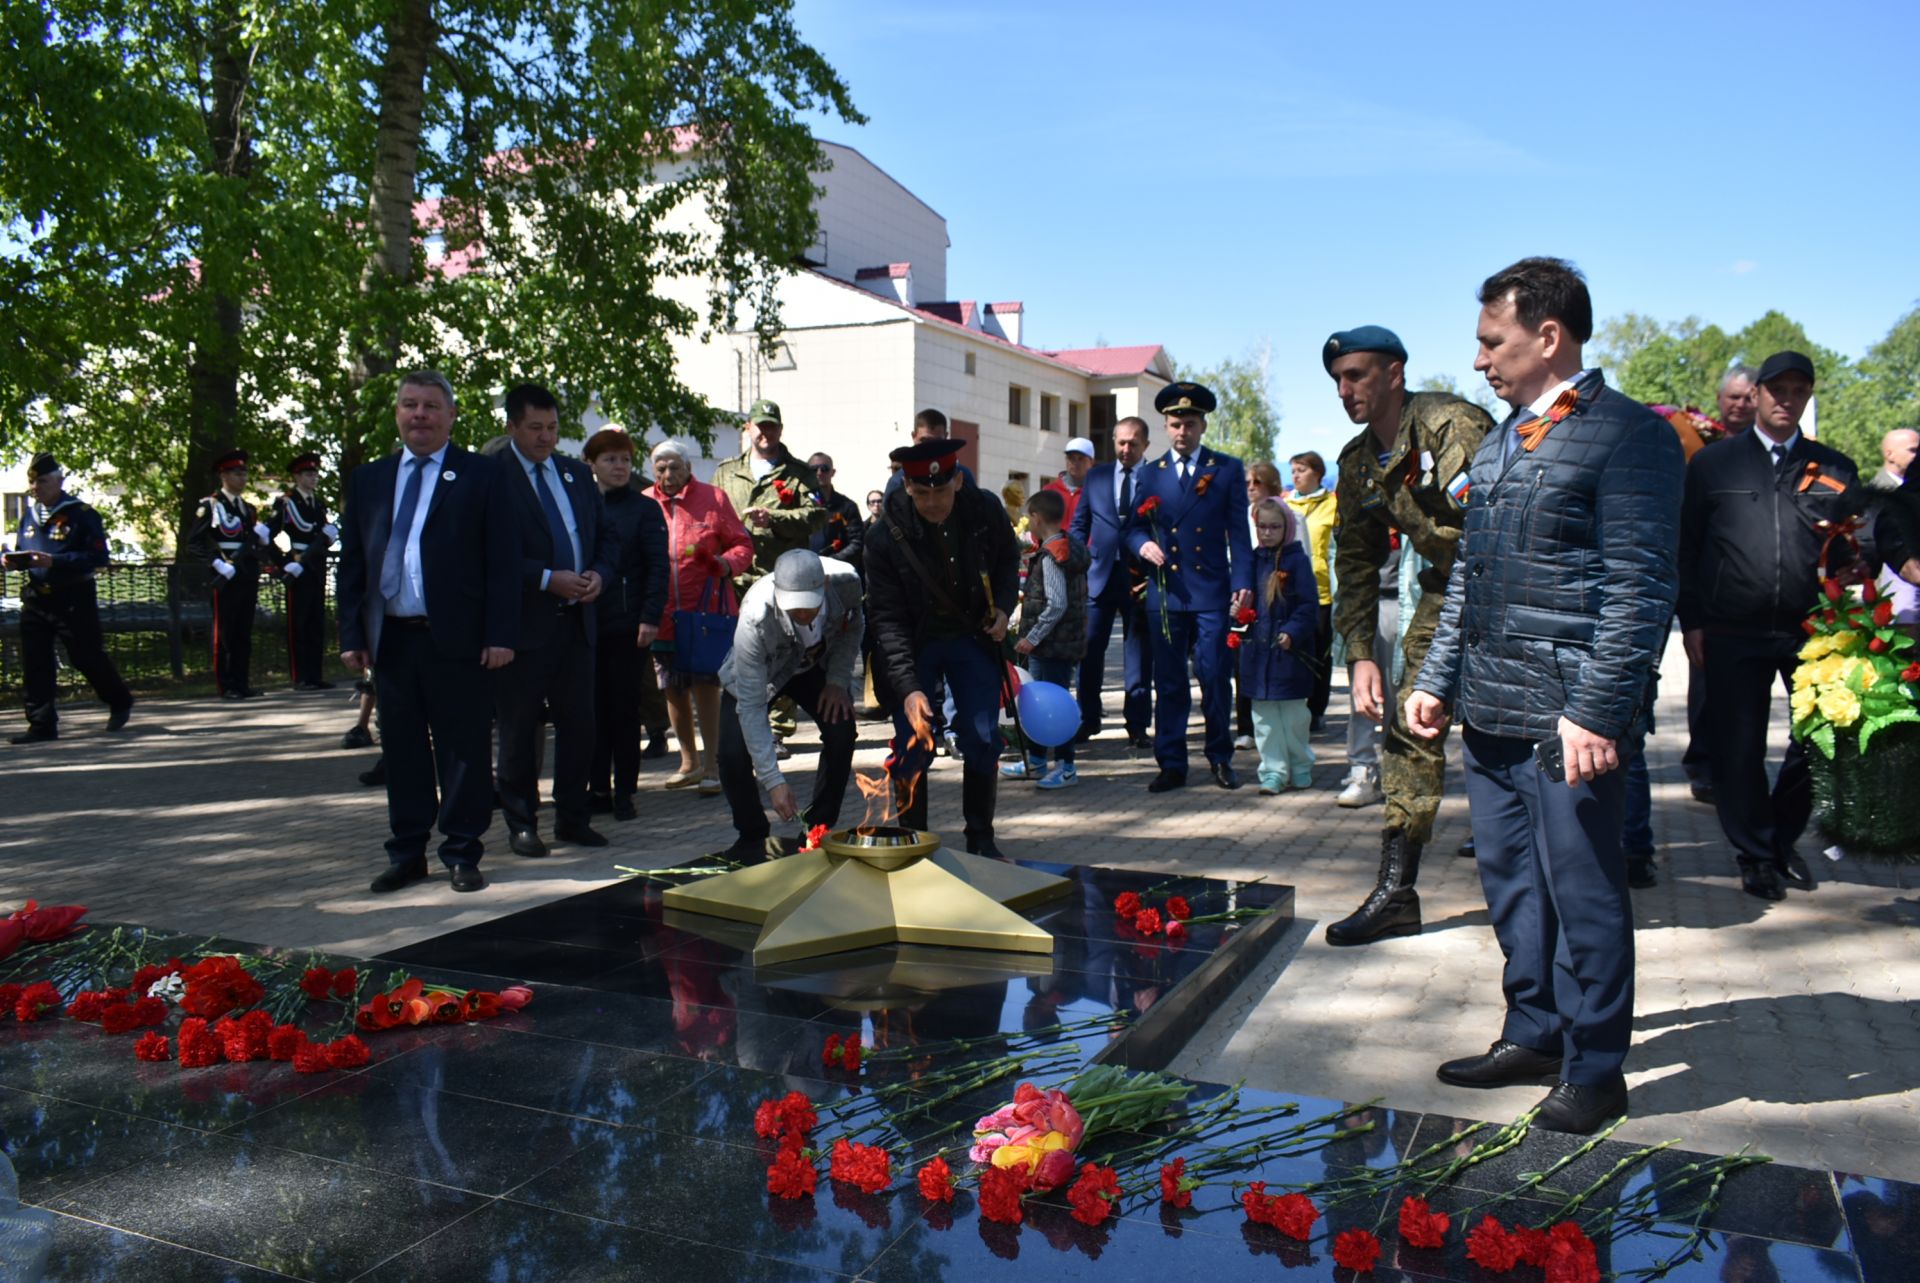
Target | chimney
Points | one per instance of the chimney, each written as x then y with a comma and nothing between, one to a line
894,281
1004,320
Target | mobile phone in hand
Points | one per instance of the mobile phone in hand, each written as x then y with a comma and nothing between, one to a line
1552,757
16,560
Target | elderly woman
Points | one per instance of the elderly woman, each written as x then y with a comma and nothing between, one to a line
630,608
707,545
1263,482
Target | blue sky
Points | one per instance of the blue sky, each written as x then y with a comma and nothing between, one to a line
1209,176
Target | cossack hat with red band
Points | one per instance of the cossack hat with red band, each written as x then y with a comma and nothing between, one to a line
231,459
931,463
308,462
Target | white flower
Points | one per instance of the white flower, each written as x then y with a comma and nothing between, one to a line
172,988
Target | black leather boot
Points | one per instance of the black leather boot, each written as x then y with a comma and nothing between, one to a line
1392,908
978,790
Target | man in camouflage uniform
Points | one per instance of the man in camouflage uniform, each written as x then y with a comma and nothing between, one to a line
1407,472
773,493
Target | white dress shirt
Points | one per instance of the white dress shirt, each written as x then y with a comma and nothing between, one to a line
557,486
413,589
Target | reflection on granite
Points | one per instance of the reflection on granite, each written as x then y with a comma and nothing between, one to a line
84,1252
1884,1217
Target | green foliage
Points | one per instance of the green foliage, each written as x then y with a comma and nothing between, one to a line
1481,396
1247,424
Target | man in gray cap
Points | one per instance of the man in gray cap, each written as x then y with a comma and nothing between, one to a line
1403,481
798,634
61,542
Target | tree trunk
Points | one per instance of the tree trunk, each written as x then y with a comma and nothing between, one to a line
213,371
410,37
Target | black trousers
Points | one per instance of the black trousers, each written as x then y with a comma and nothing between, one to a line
233,606
560,676
621,674
69,614
829,779
1322,692
1695,761
306,623
1137,649
1761,824
435,731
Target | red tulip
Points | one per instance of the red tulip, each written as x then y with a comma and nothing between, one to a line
1883,614
514,997
1869,593
1832,588
1877,646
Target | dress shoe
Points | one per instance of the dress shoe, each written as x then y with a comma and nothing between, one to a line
375,775
599,803
1167,781
1703,793
1467,850
1504,1064
314,686
527,842
36,735
1139,741
235,696
1640,872
357,737
656,745
984,846
400,875
578,835
623,806
1761,880
1582,1110
117,718
1086,732
1795,873
467,877
1223,776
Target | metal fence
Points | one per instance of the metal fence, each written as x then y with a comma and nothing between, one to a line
157,618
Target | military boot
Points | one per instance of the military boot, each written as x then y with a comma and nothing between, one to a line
1392,908
978,791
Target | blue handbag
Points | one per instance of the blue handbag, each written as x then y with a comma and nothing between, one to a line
702,638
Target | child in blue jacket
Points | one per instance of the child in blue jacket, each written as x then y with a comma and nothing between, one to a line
1277,648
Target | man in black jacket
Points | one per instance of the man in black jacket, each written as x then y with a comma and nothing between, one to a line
1557,608
1754,532
943,573
841,538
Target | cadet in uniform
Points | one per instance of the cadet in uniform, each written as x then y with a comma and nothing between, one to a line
1408,472
301,514
61,542
943,573
227,537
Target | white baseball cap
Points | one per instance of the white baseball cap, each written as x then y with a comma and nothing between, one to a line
1080,445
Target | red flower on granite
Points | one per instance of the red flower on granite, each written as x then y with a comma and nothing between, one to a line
54,922
1420,1225
1176,1188
12,936
1147,922
866,1167
244,1039
480,1005
218,985
311,1058
149,976
842,1053
284,1041
9,994
1491,1247
86,1005
122,1017
1094,1193
514,997
1177,931
1291,1214
936,1181
1126,904
1000,1192
444,1008
1357,1250
347,1053
35,1000
792,1113
316,983
1177,907
345,982
1532,1244
791,1175
152,1046
1571,1256
198,1047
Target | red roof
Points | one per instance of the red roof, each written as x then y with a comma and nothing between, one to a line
1110,360
1006,307
957,313
893,271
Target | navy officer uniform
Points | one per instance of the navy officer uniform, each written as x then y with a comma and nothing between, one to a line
227,538
940,588
302,517
1193,509
60,543
1100,520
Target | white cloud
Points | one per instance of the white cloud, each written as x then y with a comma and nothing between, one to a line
1741,266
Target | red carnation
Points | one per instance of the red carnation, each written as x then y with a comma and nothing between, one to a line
348,1053
791,1175
152,1046
311,1058
1571,1255
1176,1190
1291,1214
9,994
284,1041
246,1039
35,1000
1000,1192
936,1181
346,982
480,1005
867,1167
1233,641
1245,615
198,1047
1490,1246
1357,1250
120,1018
1420,1225
1094,1193
1126,904
85,1006
1532,1244
1832,589
218,985
149,976
1177,907
1148,508
317,983
792,1113
1147,922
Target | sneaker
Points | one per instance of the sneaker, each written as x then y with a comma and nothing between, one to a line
1269,786
356,737
1031,769
953,745
1061,776
1243,743
781,751
1361,791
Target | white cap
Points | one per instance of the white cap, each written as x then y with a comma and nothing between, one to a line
799,580
1080,445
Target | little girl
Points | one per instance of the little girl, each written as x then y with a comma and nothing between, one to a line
1277,648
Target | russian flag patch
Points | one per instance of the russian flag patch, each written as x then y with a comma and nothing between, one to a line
1457,489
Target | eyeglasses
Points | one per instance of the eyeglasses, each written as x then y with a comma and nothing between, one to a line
824,471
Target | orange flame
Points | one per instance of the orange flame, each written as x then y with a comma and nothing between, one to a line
886,799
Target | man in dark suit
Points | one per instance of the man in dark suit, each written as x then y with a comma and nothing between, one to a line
562,570
1190,527
1558,606
427,597
1107,500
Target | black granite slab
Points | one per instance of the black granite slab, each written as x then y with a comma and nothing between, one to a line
85,1252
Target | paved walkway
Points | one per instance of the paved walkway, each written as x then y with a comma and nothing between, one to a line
1790,1027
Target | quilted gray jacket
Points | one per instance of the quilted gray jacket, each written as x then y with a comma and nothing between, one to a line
1562,595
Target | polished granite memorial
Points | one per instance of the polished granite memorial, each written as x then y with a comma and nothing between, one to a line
606,1131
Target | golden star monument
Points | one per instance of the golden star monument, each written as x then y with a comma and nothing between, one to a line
861,888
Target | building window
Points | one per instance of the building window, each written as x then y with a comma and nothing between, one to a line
969,363
1016,405
1075,417
1049,414
16,510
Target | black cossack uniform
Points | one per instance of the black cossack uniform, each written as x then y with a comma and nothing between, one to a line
223,530
304,522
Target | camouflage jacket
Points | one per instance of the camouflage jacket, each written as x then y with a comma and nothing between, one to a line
1421,491
786,493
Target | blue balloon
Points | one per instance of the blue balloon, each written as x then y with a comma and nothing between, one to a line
1049,714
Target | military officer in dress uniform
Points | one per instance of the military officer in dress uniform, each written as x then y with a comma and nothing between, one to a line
301,515
227,537
1406,471
1190,527
61,542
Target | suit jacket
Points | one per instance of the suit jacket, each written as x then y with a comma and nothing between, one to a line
1202,529
469,556
540,609
1097,523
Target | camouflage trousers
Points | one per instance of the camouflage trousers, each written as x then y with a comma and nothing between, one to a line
1412,770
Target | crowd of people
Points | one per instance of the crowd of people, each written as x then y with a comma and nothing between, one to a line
1519,580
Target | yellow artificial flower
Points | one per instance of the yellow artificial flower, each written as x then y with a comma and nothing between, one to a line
1839,705
1846,643
1804,698
1814,649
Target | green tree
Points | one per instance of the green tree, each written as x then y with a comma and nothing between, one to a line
1481,396
1247,423
1884,396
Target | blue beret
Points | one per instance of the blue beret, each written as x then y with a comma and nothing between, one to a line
1185,398
1363,338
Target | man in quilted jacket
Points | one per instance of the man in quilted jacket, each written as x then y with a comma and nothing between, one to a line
1557,610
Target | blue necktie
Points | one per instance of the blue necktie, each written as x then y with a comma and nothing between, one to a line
393,567
556,525
1126,495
